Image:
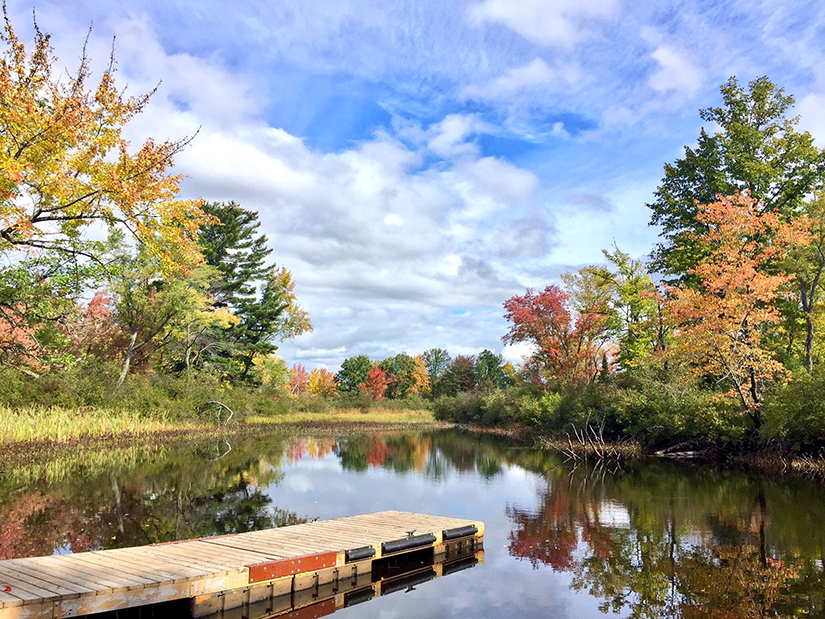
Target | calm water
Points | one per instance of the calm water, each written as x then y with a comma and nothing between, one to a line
643,540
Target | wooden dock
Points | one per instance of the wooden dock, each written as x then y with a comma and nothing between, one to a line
223,572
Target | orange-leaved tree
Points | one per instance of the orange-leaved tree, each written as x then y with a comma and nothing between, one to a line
64,164
722,322
568,346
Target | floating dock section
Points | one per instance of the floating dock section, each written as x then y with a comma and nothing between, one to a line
287,568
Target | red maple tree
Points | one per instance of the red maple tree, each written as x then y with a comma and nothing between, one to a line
568,345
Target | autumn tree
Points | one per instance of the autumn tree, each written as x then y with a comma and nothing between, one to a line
376,383
756,149
93,331
322,383
721,324
199,317
64,164
38,296
568,346
419,378
272,371
630,303
298,380
149,308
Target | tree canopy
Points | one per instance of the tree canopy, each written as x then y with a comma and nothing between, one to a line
757,149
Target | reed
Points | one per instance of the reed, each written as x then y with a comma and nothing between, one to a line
63,425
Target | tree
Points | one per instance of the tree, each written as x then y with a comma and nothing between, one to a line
757,149
353,373
568,348
459,376
807,262
376,383
323,383
148,307
37,299
64,164
233,245
419,379
199,317
275,316
94,331
721,324
399,370
298,380
489,368
272,371
631,303
436,361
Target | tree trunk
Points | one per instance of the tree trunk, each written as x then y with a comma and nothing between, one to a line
756,412
128,360
809,342
188,351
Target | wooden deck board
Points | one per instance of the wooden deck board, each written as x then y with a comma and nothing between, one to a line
72,575
124,577
10,577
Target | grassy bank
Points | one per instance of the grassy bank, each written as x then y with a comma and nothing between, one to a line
65,425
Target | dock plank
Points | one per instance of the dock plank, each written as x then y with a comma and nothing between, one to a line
42,581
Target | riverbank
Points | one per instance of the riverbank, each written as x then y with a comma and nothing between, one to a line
765,461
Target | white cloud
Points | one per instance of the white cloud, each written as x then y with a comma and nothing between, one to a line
558,131
675,71
811,110
537,74
320,212
548,22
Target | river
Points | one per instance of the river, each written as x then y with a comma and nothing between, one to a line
640,539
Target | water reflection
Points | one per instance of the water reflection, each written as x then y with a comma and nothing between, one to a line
643,540
702,552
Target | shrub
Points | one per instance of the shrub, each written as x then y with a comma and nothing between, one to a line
794,416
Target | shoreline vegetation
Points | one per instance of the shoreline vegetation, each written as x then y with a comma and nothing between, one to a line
32,436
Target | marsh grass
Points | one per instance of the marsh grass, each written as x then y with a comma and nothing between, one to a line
349,415
61,425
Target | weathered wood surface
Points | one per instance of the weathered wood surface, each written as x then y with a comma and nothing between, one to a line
77,584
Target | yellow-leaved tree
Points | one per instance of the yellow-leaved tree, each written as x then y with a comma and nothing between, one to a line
64,164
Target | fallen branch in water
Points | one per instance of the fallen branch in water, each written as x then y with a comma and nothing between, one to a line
220,404
589,442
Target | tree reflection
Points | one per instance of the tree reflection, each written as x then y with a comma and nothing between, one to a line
659,560
143,499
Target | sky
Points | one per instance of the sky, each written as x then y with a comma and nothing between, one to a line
415,164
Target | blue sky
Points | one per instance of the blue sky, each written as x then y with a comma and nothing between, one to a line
417,163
